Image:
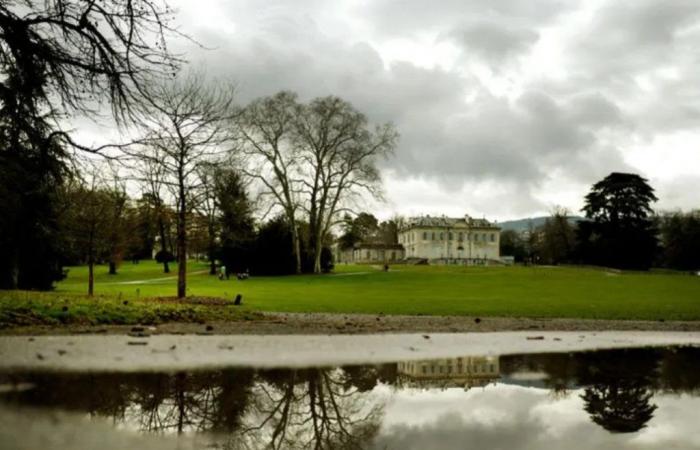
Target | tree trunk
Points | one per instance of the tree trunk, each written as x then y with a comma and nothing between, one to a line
91,261
212,265
212,250
163,246
317,255
316,243
181,407
91,276
296,247
182,244
112,267
14,269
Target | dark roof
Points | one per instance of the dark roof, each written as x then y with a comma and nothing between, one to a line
447,222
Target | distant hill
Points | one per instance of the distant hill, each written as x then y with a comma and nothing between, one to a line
521,225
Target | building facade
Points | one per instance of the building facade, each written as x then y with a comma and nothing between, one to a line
463,371
370,253
446,240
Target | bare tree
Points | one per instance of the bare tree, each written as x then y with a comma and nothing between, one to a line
70,53
86,219
308,409
59,59
557,236
268,127
208,208
313,158
151,174
118,232
339,155
189,125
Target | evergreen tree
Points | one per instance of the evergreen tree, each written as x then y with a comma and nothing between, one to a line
619,231
236,219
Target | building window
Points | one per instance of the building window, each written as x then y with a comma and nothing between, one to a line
476,238
493,237
442,236
483,237
461,236
367,254
425,235
432,236
449,236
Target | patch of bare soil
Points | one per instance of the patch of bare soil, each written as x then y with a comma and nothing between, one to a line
209,301
324,323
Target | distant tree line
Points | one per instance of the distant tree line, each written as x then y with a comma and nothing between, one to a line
99,223
620,230
366,229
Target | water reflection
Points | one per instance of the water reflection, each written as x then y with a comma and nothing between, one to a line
462,371
361,406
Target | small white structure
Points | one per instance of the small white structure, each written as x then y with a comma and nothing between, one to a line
370,253
445,240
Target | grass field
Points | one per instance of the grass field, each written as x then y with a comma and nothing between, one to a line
430,290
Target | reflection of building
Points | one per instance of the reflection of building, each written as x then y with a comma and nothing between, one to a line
462,371
445,240
370,253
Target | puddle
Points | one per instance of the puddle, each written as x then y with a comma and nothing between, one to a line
612,399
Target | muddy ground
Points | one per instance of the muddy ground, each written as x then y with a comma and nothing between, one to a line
324,323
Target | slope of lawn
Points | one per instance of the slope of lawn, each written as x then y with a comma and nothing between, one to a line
432,290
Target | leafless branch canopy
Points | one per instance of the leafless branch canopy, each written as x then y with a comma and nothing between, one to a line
75,54
313,158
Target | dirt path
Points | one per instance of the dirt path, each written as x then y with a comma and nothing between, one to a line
325,323
153,280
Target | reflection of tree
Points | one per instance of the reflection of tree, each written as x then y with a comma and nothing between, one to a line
199,401
620,383
622,407
336,408
558,370
364,377
311,408
315,408
680,370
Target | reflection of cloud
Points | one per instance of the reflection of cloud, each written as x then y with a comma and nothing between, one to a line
523,418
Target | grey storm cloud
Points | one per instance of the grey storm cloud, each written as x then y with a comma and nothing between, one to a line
401,16
454,128
493,42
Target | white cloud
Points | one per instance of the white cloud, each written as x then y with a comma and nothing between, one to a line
504,107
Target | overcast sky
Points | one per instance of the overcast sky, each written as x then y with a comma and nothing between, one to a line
506,108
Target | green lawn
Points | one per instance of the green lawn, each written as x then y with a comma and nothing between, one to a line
484,291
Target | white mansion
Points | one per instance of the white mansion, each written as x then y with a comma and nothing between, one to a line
445,240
